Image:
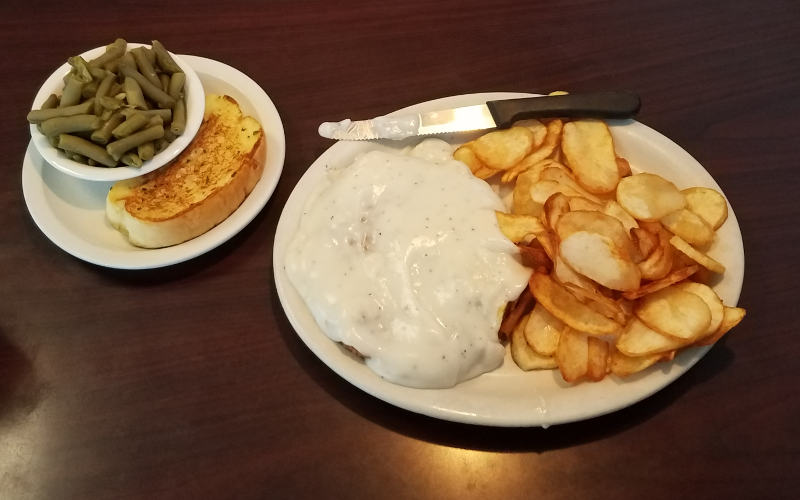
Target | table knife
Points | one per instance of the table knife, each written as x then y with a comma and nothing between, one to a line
490,115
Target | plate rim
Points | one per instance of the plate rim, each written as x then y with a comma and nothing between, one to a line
138,259
399,395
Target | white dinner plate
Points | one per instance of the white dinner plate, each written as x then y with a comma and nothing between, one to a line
508,396
71,211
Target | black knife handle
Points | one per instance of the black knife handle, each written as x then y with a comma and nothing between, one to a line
584,105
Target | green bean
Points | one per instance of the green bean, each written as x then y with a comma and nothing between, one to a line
40,115
133,93
145,68
70,124
164,82
75,144
77,157
102,91
53,140
50,102
116,87
91,162
109,103
98,73
169,135
176,83
161,145
80,69
178,118
119,147
146,151
165,114
90,89
151,55
71,94
155,120
113,51
103,134
165,60
129,126
131,160
155,93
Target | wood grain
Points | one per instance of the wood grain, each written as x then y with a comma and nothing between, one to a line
189,382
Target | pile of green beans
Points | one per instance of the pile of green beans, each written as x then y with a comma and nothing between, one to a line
121,108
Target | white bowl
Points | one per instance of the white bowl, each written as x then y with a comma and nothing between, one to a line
195,105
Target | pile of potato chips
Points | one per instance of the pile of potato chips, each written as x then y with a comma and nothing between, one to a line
620,264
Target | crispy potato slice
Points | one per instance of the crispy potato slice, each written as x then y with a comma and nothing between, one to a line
696,255
543,330
638,339
599,302
539,154
544,189
581,203
467,156
538,128
589,150
623,365
615,210
597,359
516,227
485,173
659,263
562,176
572,354
523,355
515,312
645,240
598,258
674,312
521,201
566,307
623,167
549,243
600,223
649,197
534,256
689,226
502,149
709,204
711,299
567,276
555,206
731,316
654,286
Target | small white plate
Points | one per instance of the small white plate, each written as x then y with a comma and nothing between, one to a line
508,396
71,212
195,105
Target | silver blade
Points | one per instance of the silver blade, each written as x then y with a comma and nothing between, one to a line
464,119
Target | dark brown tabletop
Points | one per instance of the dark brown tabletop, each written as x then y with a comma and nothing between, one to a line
189,382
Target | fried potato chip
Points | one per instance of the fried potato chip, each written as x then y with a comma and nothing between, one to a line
600,223
638,339
615,210
538,128
731,316
515,312
645,240
502,149
567,276
521,201
562,176
516,227
581,203
572,354
589,150
649,197
549,243
712,300
623,167
689,226
598,258
543,330
623,365
534,257
523,355
696,255
674,312
555,206
660,262
467,156
566,307
485,173
604,305
544,189
709,204
668,280
597,359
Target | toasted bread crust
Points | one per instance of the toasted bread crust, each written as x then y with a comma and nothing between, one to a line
200,188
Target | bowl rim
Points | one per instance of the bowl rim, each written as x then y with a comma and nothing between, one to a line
195,107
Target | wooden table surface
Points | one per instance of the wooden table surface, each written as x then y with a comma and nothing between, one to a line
189,382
